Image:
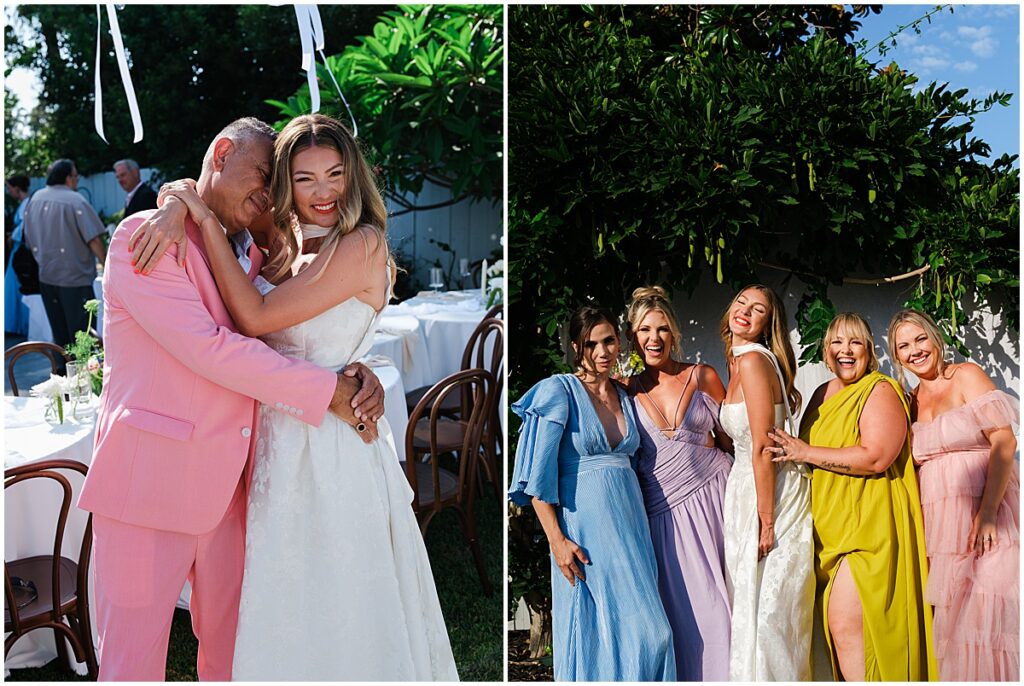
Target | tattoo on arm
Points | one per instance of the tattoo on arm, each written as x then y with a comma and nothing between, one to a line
836,466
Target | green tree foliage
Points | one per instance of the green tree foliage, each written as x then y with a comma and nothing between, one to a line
426,90
672,144
638,158
194,67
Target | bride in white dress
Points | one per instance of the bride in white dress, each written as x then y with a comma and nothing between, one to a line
337,583
769,549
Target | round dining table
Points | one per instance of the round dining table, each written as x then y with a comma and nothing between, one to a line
30,508
444,321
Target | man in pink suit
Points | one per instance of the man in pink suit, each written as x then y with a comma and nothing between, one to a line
177,428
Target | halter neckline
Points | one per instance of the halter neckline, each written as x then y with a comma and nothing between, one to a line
310,231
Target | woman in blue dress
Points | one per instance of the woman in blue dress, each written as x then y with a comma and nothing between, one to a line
15,311
608,622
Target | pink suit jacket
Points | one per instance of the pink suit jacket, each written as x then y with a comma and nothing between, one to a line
177,421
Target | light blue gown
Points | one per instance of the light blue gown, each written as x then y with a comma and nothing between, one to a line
15,311
612,626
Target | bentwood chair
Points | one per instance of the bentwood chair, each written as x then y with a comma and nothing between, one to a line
431,434
488,337
475,351
41,591
51,351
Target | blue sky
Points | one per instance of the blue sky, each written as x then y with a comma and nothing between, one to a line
976,47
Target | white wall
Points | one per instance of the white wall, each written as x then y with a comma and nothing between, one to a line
102,191
992,344
472,229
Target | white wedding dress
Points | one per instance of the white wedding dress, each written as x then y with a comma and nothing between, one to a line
772,600
337,583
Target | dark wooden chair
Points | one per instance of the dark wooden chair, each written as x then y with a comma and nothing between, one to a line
431,434
473,352
61,587
475,274
51,350
489,335
497,312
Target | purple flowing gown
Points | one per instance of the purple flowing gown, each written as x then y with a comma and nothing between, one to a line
683,484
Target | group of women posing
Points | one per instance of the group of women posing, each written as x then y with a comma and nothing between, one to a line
672,560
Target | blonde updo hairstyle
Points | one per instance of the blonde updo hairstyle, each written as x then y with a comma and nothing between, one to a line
775,337
854,325
649,299
931,330
362,204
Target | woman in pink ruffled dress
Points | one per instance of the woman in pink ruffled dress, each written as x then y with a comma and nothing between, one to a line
964,445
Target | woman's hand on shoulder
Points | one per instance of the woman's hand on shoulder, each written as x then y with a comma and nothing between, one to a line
154,236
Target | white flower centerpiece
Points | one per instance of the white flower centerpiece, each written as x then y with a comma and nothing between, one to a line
495,283
53,390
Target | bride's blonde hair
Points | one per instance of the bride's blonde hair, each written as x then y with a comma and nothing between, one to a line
362,204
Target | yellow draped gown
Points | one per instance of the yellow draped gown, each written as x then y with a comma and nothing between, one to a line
875,524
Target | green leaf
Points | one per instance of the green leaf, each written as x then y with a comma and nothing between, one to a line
403,80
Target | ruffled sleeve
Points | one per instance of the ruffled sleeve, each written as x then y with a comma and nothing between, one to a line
544,411
995,410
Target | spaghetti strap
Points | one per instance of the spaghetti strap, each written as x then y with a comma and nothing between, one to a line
671,425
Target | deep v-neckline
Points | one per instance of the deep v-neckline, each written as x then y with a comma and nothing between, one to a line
597,417
675,412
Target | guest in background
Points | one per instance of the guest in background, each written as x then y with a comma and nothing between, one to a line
970,496
573,464
64,233
868,528
15,311
682,475
140,195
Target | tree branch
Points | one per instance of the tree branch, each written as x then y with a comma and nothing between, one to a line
420,208
850,279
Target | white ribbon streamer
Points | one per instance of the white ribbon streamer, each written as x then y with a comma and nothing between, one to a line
126,77
311,36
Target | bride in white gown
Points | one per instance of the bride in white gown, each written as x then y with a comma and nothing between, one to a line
337,583
769,549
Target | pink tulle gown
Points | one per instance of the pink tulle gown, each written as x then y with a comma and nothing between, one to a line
977,617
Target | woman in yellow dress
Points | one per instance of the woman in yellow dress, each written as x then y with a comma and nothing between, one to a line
868,528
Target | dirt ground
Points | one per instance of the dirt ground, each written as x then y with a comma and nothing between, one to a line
520,666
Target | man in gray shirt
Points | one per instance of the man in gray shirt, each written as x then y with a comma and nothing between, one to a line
63,232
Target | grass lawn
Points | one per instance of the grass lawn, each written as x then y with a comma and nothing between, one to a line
475,623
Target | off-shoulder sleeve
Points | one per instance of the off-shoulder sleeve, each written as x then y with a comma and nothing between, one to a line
995,410
544,411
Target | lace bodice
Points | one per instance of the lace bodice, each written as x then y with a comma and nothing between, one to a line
332,339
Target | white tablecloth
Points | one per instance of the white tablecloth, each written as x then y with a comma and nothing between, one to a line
415,358
30,508
446,321
387,345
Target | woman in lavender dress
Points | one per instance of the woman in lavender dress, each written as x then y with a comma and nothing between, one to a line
682,474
